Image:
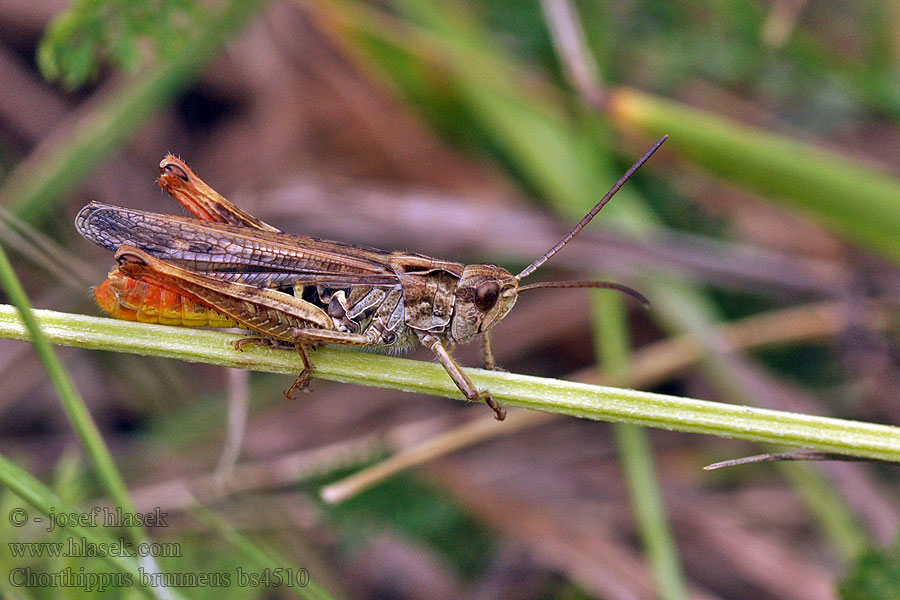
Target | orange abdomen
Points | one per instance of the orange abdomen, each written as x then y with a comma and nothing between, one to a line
132,300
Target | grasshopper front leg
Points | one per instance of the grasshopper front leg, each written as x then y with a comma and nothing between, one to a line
462,381
487,353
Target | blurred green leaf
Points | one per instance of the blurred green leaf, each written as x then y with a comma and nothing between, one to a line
875,576
67,156
853,199
93,32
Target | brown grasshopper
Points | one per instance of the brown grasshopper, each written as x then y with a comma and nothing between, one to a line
228,268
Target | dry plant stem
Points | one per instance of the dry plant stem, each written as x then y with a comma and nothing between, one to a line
791,325
263,474
649,367
568,36
800,455
474,431
238,407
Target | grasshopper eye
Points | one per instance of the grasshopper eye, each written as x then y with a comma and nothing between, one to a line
486,295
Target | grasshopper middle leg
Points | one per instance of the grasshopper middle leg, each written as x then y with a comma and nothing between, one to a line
462,381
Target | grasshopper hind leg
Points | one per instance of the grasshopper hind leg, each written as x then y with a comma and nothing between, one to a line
301,383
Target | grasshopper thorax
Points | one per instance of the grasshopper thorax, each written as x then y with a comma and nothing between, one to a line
484,294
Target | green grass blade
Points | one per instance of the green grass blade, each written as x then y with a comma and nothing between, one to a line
855,199
265,558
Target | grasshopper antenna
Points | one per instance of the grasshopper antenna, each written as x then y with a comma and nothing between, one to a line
587,219
607,285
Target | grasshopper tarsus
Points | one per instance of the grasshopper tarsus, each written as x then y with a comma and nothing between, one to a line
302,381
499,411
301,384
250,341
259,341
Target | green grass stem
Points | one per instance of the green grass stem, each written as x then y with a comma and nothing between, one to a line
852,438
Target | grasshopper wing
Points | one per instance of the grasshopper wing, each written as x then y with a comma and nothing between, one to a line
251,256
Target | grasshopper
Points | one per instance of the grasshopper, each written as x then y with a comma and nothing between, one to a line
228,268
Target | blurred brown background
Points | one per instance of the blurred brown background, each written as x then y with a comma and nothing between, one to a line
296,123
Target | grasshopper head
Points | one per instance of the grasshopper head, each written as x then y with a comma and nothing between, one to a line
484,294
